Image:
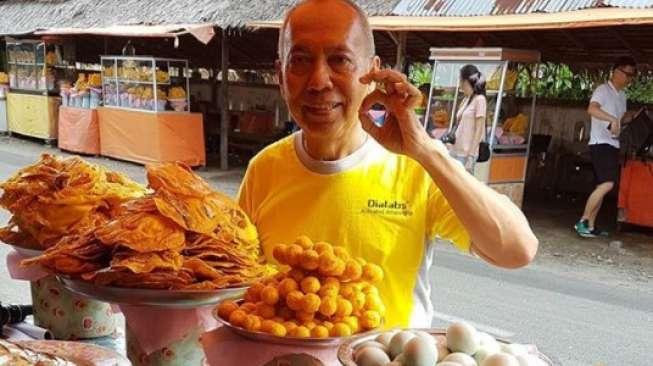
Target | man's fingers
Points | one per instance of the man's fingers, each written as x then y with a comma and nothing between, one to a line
384,76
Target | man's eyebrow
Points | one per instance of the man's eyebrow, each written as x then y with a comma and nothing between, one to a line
340,48
298,48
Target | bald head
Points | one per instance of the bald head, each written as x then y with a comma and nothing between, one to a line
355,11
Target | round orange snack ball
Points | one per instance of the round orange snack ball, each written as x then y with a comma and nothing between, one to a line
248,307
310,260
310,285
252,323
254,292
294,300
320,331
311,303
340,329
279,252
294,255
286,286
265,311
226,308
370,319
296,274
304,241
300,332
237,318
372,273
323,247
328,263
329,306
353,270
344,308
269,295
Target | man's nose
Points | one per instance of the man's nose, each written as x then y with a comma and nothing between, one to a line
320,77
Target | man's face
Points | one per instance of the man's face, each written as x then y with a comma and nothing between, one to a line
326,54
623,76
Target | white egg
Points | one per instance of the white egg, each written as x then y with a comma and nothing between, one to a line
514,349
462,337
484,352
421,351
489,341
530,360
500,359
385,338
399,341
373,344
461,358
371,356
447,363
421,333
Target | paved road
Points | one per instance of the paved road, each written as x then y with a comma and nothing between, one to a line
579,321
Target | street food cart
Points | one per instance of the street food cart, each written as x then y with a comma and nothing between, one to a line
33,102
507,130
146,114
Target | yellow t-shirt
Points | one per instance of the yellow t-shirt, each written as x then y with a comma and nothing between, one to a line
380,206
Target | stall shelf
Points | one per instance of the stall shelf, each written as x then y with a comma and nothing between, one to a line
146,114
505,171
32,101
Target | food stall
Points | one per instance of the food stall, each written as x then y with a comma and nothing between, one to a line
507,132
4,88
635,199
79,129
146,111
32,101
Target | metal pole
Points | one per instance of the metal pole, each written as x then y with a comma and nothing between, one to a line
401,51
224,104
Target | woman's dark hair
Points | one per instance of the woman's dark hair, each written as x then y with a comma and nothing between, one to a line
474,77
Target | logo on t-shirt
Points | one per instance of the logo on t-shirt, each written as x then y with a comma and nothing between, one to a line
387,207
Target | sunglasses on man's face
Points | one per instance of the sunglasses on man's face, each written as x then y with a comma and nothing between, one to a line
628,74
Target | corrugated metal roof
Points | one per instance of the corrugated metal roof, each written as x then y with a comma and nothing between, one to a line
454,8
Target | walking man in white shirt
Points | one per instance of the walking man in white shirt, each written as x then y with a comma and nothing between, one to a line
607,109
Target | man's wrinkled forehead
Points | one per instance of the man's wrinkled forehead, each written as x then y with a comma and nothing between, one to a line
324,24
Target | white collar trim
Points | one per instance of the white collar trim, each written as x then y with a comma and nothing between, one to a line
335,166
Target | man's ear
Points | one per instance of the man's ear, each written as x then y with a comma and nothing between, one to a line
279,71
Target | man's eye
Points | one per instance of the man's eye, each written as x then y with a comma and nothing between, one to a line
339,60
299,59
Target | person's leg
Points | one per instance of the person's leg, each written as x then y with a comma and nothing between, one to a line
595,201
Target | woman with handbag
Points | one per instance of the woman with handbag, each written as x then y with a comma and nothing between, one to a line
469,130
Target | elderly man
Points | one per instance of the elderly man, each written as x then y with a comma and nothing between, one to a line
385,193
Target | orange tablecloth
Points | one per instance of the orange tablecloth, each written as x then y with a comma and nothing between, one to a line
635,196
79,130
145,137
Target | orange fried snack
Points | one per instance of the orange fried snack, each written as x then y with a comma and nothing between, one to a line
182,236
56,197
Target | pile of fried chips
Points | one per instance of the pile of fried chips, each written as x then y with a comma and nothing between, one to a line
182,236
56,197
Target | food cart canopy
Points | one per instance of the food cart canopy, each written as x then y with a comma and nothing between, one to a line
203,32
569,19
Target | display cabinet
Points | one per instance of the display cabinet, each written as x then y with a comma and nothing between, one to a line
145,83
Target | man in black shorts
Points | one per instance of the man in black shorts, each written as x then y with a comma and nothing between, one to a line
607,109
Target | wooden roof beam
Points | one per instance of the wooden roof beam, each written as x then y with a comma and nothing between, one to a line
634,51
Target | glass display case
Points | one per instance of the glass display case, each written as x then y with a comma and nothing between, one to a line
507,126
145,83
31,66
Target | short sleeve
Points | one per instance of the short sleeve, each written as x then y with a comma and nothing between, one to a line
245,192
442,222
480,106
600,95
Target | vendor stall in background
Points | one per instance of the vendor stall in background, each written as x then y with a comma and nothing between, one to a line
33,102
146,114
507,130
